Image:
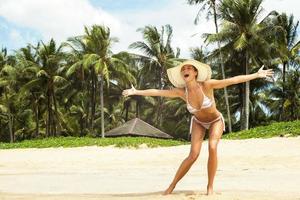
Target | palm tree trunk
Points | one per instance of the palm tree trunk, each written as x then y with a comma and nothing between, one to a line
36,111
87,124
10,123
92,103
48,131
160,98
56,122
242,107
283,90
52,121
222,68
10,126
13,127
81,125
284,71
158,111
102,106
247,93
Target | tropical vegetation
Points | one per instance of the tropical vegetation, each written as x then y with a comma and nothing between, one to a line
74,88
276,129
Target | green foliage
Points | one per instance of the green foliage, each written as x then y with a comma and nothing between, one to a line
277,129
51,89
88,141
247,44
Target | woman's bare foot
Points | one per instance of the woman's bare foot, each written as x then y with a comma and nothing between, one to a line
209,191
169,190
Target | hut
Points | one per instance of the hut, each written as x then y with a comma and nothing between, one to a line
137,127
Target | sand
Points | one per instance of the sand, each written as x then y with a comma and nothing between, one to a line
253,169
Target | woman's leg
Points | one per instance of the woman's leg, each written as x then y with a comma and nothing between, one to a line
215,134
198,133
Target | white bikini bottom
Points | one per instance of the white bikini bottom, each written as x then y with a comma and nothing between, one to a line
206,125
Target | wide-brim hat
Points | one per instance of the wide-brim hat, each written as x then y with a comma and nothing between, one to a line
174,73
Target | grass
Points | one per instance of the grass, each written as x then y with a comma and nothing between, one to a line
88,141
279,129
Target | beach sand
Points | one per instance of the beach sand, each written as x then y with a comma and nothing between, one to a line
256,169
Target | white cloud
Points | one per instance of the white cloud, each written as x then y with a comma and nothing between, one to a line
287,6
178,14
16,36
59,19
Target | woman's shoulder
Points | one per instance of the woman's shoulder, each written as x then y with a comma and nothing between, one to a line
206,87
207,84
204,84
179,91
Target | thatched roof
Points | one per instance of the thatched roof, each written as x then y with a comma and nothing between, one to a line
137,127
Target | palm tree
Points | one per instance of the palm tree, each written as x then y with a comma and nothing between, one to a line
287,47
290,44
212,6
157,57
8,80
241,33
121,82
27,58
6,59
47,66
292,103
97,57
288,98
8,84
78,110
198,54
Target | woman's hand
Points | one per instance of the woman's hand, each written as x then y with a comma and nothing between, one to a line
265,73
129,92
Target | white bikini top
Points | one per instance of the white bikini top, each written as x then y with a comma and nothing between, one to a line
207,102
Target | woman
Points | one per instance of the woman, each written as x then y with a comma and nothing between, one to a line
193,85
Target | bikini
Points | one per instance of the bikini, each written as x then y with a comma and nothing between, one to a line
207,102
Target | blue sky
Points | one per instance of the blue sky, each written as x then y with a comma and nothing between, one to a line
118,5
29,21
10,35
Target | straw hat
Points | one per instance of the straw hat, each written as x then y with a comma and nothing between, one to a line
174,75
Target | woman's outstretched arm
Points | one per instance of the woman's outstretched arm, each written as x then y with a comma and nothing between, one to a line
217,84
175,92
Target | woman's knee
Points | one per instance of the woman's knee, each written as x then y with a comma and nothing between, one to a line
213,147
193,156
